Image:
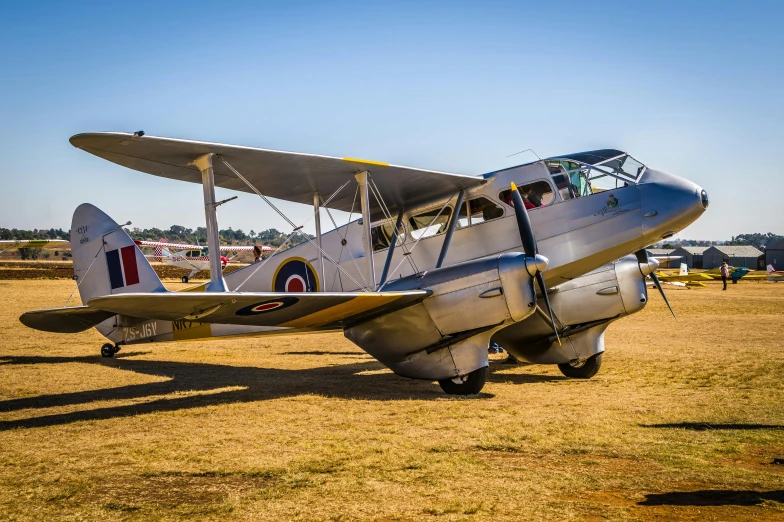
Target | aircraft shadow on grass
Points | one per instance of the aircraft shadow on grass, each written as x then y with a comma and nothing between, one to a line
712,497
258,384
707,426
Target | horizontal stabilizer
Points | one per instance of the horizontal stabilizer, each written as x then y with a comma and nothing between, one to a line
65,320
320,310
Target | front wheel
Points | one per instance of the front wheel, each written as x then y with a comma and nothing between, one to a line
584,370
184,279
470,384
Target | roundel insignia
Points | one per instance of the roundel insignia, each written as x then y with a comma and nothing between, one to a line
295,275
267,306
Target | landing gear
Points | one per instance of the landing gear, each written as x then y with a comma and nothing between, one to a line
470,384
184,279
582,369
108,350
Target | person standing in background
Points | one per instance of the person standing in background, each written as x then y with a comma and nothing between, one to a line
725,273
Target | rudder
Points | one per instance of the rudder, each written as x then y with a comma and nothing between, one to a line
106,260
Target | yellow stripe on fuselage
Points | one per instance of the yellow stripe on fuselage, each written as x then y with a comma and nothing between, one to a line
367,162
336,313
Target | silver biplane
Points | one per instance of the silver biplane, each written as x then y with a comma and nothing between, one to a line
540,257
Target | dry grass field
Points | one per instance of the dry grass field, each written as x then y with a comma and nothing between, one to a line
683,422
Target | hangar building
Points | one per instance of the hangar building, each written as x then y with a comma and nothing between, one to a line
692,256
774,255
734,255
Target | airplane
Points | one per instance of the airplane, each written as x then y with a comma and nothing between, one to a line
684,278
775,275
193,257
8,244
748,275
429,269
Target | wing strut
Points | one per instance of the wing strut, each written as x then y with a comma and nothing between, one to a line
204,164
317,214
362,179
451,229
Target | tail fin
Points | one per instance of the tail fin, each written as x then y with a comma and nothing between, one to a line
106,260
771,269
684,269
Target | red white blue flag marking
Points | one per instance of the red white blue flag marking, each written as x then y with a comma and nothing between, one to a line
122,267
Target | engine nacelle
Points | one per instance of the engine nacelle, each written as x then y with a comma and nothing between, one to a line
585,306
447,334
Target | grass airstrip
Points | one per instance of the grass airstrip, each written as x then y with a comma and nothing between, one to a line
684,421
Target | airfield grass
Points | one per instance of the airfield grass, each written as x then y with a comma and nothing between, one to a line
683,422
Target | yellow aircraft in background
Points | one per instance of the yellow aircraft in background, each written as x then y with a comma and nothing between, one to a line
684,278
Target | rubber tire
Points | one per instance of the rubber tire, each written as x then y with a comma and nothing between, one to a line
107,350
184,279
586,371
473,384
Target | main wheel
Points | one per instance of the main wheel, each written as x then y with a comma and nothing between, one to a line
107,350
586,370
470,384
184,279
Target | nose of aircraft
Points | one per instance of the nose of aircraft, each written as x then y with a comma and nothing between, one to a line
669,203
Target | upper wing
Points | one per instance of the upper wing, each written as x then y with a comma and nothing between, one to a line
292,310
33,243
283,175
166,245
243,248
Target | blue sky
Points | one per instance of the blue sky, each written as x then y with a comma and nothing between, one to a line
695,89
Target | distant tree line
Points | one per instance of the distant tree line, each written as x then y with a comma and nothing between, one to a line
755,240
229,236
175,234
52,233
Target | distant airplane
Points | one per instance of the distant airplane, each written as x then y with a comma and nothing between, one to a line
775,275
684,278
193,257
8,244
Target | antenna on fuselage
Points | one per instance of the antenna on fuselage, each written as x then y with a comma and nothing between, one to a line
532,151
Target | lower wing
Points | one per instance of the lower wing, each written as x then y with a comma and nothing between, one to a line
289,310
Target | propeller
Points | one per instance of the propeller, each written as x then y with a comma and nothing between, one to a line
535,263
648,266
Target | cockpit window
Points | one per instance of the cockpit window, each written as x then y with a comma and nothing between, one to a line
574,178
536,194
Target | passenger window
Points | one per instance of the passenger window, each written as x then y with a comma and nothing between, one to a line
536,194
422,225
478,210
381,235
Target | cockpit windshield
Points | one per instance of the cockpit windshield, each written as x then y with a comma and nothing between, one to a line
586,173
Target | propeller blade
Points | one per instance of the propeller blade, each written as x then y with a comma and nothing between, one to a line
524,224
543,288
642,258
661,291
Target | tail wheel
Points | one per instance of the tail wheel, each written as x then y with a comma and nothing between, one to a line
582,370
470,384
184,279
108,350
